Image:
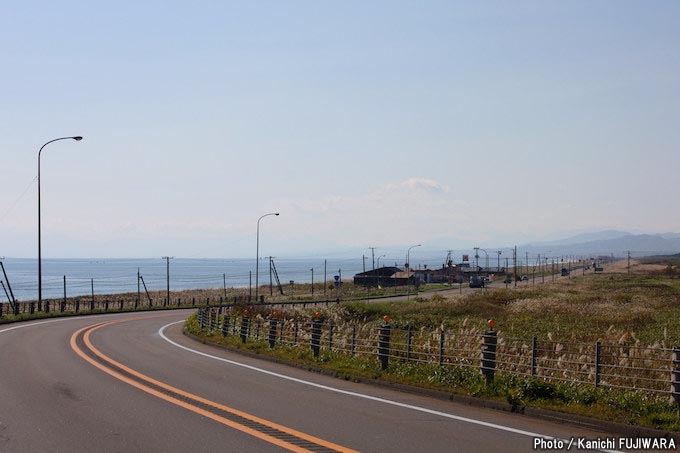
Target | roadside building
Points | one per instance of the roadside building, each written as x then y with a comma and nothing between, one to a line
385,276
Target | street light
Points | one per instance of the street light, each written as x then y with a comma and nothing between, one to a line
76,138
408,268
379,274
408,255
257,256
381,256
487,258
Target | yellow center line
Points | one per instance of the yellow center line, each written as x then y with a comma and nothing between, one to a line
191,407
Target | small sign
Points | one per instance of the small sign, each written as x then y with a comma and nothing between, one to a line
466,257
337,278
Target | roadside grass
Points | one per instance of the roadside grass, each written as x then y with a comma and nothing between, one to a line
638,309
580,309
626,407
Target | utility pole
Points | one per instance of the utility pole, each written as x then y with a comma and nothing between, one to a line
498,265
13,301
271,285
553,269
312,269
629,261
167,271
506,272
138,290
372,256
527,258
324,277
224,281
514,266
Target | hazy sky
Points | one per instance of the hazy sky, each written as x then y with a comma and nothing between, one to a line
382,124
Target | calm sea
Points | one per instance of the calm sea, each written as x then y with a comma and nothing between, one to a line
114,276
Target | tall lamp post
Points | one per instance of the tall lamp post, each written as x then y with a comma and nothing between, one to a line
408,264
76,138
381,256
487,259
257,256
379,279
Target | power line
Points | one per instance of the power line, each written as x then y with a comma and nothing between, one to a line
14,204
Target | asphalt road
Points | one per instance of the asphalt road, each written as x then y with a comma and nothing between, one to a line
129,384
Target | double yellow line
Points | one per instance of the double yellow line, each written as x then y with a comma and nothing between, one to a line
191,402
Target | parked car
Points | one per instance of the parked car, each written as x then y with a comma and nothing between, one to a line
476,282
508,279
525,278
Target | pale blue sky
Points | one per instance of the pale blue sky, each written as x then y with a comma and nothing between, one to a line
365,123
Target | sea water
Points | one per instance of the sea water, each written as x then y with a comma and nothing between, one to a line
116,276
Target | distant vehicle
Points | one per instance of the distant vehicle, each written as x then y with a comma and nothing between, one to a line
508,279
599,269
525,278
487,280
476,282
565,272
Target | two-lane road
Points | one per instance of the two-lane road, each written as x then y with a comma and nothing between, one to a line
133,382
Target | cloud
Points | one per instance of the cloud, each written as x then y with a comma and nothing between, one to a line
414,209
421,184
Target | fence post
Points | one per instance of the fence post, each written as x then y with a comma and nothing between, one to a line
201,321
225,325
47,307
31,308
489,342
533,356
245,327
675,377
597,364
272,332
442,339
316,335
384,334
295,333
409,343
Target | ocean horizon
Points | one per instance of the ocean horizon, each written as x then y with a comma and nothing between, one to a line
119,275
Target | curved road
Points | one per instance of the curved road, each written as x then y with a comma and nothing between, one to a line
133,382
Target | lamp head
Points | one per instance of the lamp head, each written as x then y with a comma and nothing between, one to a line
78,138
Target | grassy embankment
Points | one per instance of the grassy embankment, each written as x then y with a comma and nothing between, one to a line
641,308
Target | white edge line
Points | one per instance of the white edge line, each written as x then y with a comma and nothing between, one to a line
161,332
22,326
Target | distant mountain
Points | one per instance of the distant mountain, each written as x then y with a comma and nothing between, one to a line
582,238
611,242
